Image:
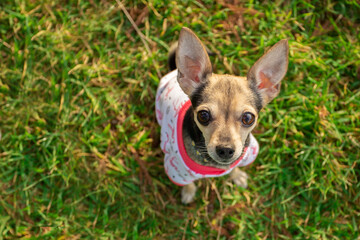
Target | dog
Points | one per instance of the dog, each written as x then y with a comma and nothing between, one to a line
206,119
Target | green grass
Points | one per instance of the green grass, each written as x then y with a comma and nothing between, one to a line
79,148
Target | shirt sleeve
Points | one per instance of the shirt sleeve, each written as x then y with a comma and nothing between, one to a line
251,152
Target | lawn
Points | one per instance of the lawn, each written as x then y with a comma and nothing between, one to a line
79,142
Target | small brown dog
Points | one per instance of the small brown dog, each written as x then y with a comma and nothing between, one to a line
206,119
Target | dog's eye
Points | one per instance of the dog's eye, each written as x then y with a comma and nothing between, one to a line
247,119
203,117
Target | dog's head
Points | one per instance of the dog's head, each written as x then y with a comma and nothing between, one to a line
226,107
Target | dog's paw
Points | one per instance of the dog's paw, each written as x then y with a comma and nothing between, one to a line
239,178
188,193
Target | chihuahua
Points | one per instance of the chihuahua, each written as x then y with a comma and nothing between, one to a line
206,119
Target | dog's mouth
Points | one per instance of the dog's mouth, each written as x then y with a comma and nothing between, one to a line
227,162
215,161
212,159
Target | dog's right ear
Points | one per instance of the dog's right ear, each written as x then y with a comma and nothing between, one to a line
192,61
266,74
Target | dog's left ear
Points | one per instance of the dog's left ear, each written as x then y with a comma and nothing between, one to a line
192,61
266,74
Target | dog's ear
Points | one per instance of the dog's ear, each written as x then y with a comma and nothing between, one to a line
266,74
192,61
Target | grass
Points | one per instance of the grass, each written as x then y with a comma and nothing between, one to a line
79,148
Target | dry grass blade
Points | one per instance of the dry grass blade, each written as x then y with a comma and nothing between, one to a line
143,38
143,168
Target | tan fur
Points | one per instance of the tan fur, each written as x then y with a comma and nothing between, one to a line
239,177
188,193
227,98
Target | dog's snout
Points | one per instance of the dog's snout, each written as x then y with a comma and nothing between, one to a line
224,152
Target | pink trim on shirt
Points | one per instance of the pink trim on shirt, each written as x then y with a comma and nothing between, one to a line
167,174
200,169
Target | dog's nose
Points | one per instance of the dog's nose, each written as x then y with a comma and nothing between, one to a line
224,152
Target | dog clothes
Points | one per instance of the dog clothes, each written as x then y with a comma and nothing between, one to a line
171,106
